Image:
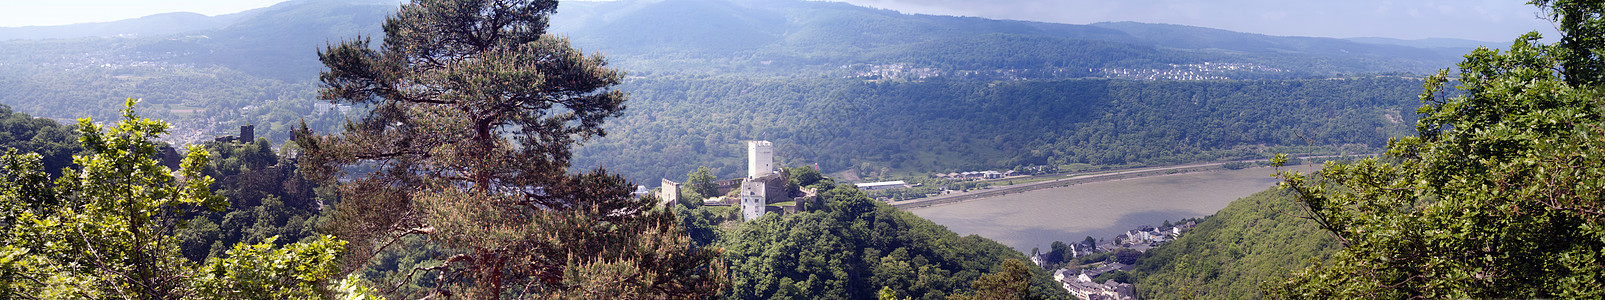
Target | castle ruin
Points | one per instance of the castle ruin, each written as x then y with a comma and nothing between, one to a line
763,185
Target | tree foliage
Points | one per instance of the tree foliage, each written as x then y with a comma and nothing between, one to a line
1228,255
107,228
677,123
1497,197
55,143
474,108
853,247
701,183
1011,281
267,198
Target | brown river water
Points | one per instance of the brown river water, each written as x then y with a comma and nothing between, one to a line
1101,210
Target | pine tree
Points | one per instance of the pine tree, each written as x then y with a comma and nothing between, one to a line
474,109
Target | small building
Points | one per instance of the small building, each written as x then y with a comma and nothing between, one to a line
884,185
991,175
1061,274
716,201
640,191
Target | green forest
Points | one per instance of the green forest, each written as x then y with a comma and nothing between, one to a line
731,71
883,128
1253,241
853,247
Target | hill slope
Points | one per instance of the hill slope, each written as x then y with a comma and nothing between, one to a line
845,86
777,37
852,247
152,25
879,128
1253,240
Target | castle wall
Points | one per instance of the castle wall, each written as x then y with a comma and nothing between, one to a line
670,193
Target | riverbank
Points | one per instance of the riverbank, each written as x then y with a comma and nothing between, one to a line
995,191
1074,179
1101,209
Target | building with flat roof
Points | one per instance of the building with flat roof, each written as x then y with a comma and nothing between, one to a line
884,185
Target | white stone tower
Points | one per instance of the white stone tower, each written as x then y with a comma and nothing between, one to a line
753,203
760,159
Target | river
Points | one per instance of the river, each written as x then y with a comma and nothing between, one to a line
1102,210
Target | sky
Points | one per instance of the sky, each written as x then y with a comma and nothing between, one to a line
1484,20
14,13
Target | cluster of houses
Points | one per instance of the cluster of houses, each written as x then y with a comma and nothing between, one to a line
1082,286
1079,281
1203,71
1152,236
890,71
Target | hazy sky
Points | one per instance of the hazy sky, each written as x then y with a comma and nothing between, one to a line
1486,20
59,12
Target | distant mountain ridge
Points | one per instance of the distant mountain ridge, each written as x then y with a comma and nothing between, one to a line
148,26
1427,43
787,34
813,64
779,38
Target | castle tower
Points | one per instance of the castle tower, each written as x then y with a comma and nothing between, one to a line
760,159
753,203
247,134
670,192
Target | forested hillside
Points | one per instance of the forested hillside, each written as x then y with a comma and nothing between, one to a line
844,245
678,123
1496,196
55,143
213,74
1257,239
